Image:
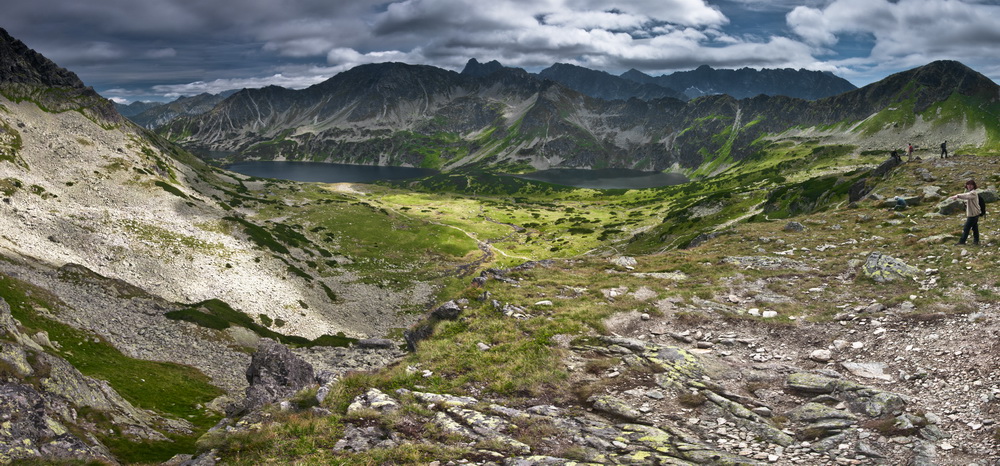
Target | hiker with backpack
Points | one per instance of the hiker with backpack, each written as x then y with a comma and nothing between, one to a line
974,208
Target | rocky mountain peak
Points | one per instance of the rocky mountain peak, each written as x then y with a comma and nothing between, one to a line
477,70
950,74
20,64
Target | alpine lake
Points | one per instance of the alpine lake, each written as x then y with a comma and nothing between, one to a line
608,178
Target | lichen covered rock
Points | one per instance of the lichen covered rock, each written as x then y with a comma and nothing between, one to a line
883,268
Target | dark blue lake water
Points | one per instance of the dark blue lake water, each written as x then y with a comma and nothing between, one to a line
607,178
610,178
327,172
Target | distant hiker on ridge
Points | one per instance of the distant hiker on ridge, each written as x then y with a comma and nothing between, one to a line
972,212
944,150
909,152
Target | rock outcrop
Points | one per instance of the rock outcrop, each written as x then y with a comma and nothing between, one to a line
275,373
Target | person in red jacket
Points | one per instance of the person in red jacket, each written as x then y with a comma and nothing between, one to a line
972,212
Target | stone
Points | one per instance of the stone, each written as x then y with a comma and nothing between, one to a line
883,268
811,383
614,406
376,343
447,311
821,355
870,370
950,206
274,373
810,412
931,193
989,196
625,262
937,239
794,226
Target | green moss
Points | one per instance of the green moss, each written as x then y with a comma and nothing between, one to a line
259,235
171,189
9,186
217,314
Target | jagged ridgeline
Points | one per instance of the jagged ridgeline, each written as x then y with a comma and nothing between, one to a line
492,116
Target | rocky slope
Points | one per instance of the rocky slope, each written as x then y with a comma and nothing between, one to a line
396,114
151,261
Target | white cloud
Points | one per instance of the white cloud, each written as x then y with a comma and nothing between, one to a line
219,85
100,51
344,59
904,33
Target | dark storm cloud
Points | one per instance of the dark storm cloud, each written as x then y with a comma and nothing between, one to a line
129,49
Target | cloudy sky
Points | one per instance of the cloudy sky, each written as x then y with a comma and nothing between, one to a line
159,50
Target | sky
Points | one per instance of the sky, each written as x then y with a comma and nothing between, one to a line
159,50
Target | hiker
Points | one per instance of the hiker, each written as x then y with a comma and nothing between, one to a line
909,152
900,204
944,150
895,156
972,212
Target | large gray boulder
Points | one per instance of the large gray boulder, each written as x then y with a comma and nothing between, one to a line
989,195
950,207
883,268
275,373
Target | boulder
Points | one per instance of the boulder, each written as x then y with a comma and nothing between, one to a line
989,195
447,311
883,268
950,207
275,373
925,175
625,262
821,355
932,193
794,226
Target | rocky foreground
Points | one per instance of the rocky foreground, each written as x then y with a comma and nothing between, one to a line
874,386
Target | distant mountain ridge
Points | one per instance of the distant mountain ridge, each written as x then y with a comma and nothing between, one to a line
748,82
602,85
135,108
151,115
490,115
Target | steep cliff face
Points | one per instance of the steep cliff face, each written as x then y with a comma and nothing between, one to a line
396,114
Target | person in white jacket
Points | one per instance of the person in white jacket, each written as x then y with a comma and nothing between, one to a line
972,212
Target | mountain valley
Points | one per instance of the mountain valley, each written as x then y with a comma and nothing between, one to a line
158,309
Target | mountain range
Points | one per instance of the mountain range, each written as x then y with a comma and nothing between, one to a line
493,116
